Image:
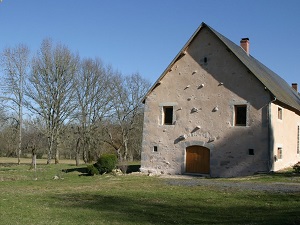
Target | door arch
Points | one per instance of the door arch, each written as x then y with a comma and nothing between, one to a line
197,159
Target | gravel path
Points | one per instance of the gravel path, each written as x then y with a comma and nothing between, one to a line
239,185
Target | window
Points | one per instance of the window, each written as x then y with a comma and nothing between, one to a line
279,113
251,151
298,140
240,112
168,115
154,148
279,153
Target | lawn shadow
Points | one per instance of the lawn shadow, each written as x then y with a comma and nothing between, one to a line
135,209
285,174
133,168
82,170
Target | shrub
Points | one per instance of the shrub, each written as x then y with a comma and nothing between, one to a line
296,167
92,170
39,155
106,163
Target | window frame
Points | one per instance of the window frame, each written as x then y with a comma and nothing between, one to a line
235,115
168,115
163,106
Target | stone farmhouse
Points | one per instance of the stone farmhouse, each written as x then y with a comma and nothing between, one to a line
219,112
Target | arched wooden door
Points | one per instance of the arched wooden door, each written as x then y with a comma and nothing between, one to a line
197,159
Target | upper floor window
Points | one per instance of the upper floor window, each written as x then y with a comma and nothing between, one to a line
167,115
279,113
240,115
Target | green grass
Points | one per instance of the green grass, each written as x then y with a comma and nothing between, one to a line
33,197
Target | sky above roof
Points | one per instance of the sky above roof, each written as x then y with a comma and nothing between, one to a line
144,36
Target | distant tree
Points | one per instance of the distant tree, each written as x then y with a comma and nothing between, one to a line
15,63
126,112
34,140
93,103
8,137
51,90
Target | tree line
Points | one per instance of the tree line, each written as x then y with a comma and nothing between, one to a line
55,104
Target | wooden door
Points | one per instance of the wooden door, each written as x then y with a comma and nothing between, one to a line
197,160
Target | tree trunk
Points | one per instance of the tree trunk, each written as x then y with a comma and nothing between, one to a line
20,137
125,150
56,155
50,148
33,160
77,152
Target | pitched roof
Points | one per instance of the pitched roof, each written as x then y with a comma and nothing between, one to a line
278,87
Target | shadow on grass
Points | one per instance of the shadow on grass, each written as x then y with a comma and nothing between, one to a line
77,169
285,174
156,210
132,168
84,170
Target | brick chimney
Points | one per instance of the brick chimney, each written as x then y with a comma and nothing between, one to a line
295,86
245,44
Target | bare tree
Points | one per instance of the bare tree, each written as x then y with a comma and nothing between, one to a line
94,101
51,90
34,140
128,94
15,62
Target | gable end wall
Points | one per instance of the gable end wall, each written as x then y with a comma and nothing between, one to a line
205,85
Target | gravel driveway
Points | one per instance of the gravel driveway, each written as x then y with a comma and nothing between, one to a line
277,187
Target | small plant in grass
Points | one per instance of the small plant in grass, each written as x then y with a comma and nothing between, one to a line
296,167
92,170
106,163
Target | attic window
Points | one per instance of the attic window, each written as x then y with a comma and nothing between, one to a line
168,115
154,148
240,115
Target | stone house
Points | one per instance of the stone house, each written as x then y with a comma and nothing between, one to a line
218,111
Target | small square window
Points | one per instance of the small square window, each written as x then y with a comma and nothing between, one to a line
168,115
279,113
240,113
251,151
279,153
154,148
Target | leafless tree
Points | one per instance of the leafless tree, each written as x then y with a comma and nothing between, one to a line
51,90
94,102
15,62
128,94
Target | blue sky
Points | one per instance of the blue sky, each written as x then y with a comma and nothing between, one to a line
144,36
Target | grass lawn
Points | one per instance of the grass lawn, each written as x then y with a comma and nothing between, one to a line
33,197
